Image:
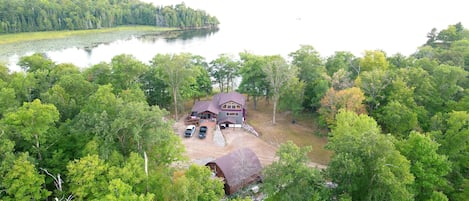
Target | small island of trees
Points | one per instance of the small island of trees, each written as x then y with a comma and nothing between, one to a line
53,15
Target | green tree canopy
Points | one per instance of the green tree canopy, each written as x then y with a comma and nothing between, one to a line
311,70
196,183
428,167
88,177
78,15
176,72
452,132
291,177
22,181
278,73
32,121
373,60
253,81
365,164
224,70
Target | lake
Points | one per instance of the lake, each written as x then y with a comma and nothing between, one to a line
265,28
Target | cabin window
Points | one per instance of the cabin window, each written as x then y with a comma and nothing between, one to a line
231,105
232,114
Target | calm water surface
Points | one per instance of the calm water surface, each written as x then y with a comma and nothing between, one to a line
264,27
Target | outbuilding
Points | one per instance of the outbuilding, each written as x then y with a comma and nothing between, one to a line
237,169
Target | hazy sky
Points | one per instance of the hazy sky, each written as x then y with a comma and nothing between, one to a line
333,25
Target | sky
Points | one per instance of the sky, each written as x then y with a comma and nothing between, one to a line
337,25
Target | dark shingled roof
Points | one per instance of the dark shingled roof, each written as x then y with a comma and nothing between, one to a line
202,106
239,167
222,98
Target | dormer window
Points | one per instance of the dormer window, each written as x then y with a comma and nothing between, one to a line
231,105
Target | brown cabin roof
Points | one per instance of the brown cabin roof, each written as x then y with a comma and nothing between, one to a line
239,168
202,106
213,106
222,98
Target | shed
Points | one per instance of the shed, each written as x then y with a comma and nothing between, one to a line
237,169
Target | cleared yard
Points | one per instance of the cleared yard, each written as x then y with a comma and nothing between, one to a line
305,132
201,151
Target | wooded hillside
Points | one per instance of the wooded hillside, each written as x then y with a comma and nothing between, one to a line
49,15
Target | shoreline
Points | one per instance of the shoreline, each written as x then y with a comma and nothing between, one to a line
11,50
34,36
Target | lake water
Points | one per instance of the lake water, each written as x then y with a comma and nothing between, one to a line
265,27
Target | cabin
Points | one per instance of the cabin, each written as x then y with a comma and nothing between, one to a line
237,169
227,109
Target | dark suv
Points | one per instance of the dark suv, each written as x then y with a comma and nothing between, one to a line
203,132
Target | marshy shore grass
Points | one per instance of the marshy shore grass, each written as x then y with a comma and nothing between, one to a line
32,36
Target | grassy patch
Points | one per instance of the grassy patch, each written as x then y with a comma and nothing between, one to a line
31,36
303,133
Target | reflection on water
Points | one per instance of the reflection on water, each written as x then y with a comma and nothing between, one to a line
173,36
192,34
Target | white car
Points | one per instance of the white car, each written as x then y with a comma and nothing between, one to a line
190,130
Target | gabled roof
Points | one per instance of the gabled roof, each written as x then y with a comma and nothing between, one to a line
239,167
202,106
222,98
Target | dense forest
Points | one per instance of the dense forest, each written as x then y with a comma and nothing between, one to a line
51,15
399,125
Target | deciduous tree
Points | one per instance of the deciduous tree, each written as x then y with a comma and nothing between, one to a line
87,178
452,132
340,80
119,190
253,81
278,72
126,71
23,182
350,99
196,183
291,177
311,70
224,70
8,100
24,85
373,83
203,83
428,166
398,119
32,121
374,60
339,60
176,71
365,164
292,97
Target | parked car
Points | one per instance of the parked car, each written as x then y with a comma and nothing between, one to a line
190,130
203,132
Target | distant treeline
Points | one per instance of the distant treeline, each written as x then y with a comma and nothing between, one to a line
49,15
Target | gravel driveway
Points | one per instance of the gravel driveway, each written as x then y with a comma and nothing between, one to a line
201,151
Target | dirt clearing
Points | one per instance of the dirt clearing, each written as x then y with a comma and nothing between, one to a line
302,133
